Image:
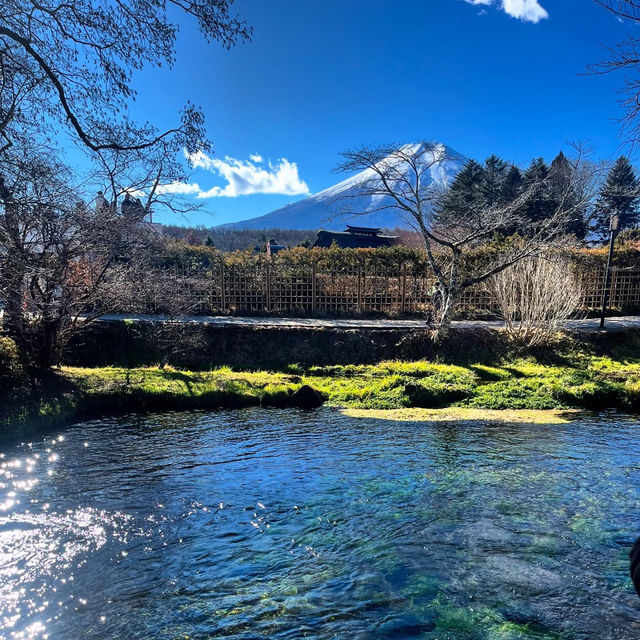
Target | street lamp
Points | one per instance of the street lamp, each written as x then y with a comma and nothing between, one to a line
614,223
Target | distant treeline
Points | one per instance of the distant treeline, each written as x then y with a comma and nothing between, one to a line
239,239
228,240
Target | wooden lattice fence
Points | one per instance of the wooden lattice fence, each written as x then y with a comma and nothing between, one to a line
281,286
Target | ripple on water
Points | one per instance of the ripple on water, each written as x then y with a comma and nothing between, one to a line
280,524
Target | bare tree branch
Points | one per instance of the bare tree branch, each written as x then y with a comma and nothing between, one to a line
401,178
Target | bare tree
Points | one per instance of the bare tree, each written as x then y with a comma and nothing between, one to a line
535,296
411,179
59,258
72,63
624,57
164,297
154,176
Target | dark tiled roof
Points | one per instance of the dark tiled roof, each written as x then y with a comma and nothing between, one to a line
355,238
367,231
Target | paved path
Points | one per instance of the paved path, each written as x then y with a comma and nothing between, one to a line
619,323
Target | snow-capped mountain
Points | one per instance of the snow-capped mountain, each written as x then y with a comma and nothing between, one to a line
325,209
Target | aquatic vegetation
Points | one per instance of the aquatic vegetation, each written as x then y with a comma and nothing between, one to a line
465,414
421,587
518,393
447,531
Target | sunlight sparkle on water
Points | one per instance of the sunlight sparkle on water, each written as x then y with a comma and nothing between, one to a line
259,522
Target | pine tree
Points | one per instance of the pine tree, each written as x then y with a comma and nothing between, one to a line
563,195
539,206
464,194
619,195
495,171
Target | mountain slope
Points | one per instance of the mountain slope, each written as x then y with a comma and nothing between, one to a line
322,209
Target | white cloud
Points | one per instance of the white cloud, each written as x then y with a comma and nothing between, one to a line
182,188
525,10
246,178
255,158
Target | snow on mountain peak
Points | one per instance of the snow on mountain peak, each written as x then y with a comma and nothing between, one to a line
323,209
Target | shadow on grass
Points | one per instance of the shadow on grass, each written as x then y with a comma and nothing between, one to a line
487,373
178,376
515,373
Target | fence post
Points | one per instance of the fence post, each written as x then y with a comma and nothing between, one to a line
613,289
223,293
359,302
268,286
313,287
403,288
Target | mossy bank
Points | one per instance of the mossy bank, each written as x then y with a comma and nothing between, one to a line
570,377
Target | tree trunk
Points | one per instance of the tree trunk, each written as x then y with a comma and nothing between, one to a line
449,293
14,316
49,351
446,317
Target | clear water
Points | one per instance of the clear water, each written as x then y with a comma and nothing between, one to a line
276,524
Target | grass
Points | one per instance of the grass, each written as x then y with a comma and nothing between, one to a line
73,393
594,382
578,376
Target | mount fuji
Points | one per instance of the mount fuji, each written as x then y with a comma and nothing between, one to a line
325,208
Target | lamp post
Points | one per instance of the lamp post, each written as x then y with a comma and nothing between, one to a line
614,223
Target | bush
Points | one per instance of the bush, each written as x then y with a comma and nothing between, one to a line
535,296
11,371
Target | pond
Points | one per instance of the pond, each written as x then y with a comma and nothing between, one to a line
291,524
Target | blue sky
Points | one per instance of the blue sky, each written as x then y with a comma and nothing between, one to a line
321,76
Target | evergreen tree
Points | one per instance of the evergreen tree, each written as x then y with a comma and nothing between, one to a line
619,195
478,187
561,187
492,181
511,185
464,194
539,206
511,189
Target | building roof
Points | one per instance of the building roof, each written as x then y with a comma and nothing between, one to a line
355,238
364,231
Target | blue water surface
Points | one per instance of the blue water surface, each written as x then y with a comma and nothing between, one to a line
290,524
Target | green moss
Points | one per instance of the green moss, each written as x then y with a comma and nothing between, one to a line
579,377
368,390
76,393
430,393
518,393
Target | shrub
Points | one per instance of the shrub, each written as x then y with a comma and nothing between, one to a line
11,371
535,296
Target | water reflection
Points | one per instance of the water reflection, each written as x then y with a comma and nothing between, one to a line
290,524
